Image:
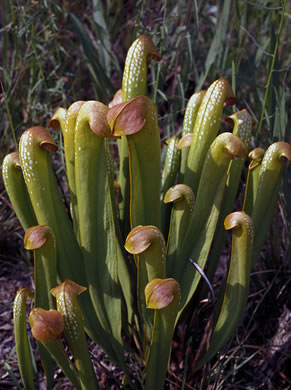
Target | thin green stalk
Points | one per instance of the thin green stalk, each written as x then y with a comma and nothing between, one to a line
9,117
271,70
161,50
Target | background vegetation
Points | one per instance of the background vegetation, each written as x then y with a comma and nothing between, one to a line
54,53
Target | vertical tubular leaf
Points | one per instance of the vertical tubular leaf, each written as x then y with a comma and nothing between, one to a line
206,210
188,126
68,130
47,327
21,339
270,177
16,189
172,162
125,272
169,175
253,179
41,240
162,295
243,123
35,145
182,198
66,296
134,83
100,246
49,209
148,243
231,305
137,119
242,128
206,127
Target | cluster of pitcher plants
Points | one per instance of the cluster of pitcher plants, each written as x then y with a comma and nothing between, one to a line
122,262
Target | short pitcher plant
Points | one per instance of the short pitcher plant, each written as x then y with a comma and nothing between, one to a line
126,258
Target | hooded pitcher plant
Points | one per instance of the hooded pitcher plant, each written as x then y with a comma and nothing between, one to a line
188,127
35,146
233,297
148,245
137,120
66,295
47,327
22,343
124,260
134,83
242,124
65,120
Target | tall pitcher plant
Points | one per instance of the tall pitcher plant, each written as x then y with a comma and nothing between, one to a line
125,260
